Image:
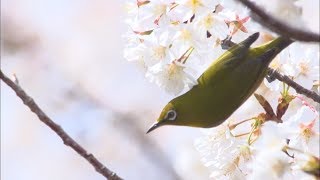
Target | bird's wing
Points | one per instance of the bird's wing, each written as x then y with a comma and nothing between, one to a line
226,62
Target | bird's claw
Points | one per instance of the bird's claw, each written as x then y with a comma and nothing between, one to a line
270,78
227,43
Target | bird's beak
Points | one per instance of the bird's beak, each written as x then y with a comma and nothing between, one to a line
154,126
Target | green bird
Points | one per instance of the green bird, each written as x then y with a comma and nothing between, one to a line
227,83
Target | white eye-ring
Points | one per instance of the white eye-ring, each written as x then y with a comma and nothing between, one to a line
171,115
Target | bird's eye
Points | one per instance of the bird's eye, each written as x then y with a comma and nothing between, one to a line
171,115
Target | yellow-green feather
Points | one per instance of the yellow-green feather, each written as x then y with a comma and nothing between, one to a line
225,85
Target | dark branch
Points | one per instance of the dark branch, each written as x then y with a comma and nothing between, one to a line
67,140
259,15
299,89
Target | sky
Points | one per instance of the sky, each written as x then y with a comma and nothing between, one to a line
68,56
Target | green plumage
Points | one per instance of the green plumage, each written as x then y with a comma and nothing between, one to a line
227,83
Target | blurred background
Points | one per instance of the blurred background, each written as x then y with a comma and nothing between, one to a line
68,56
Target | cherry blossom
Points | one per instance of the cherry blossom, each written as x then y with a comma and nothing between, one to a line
176,40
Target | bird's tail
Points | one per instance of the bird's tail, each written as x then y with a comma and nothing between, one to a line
276,45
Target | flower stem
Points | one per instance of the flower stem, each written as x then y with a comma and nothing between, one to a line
188,54
243,134
236,124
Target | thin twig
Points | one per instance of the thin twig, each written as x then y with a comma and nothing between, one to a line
259,15
67,140
299,89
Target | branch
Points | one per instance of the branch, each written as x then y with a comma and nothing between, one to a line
259,15
67,140
299,89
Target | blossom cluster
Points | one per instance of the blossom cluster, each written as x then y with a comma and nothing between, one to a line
270,150
174,41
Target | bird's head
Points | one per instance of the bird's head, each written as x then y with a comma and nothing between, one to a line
168,116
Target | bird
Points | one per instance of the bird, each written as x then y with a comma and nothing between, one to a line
224,86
